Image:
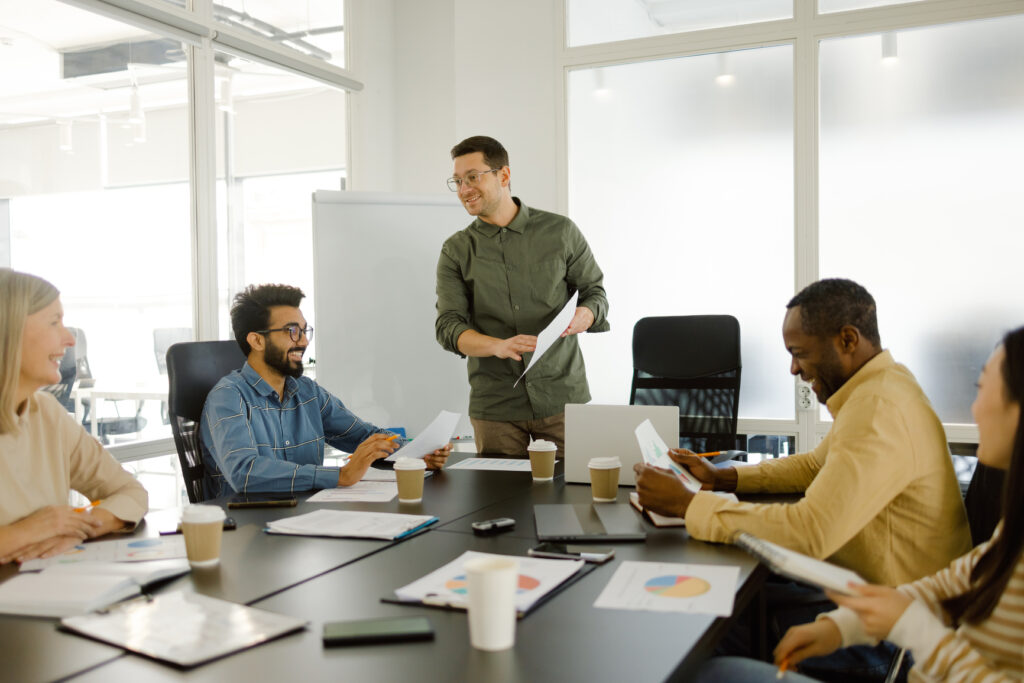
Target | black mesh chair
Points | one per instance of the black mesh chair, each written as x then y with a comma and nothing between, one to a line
193,368
691,361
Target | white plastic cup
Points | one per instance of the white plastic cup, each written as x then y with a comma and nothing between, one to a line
604,479
409,473
491,583
542,459
202,526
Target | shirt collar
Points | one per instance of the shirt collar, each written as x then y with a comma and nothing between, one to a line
883,361
518,223
262,387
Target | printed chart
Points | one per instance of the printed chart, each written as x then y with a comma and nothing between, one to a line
662,587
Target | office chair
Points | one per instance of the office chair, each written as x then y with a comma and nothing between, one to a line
692,361
193,368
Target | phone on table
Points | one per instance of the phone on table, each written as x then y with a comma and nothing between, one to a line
387,630
262,500
563,551
229,525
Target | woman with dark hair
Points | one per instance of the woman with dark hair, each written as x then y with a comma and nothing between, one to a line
965,622
44,453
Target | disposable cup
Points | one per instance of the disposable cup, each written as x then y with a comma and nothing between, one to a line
604,479
410,472
542,459
491,584
202,527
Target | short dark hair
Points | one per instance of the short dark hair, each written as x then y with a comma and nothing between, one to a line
250,311
827,305
495,155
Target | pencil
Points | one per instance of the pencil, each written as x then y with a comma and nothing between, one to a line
782,668
709,455
392,437
90,505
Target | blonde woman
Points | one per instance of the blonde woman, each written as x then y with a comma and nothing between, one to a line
44,453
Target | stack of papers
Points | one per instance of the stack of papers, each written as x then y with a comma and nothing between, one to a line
361,492
447,587
124,550
68,589
351,524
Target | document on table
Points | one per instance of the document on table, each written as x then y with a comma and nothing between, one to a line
655,452
125,550
351,524
504,464
361,492
436,435
446,586
664,587
552,333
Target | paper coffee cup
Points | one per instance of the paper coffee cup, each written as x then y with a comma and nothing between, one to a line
491,583
542,459
203,527
409,472
604,479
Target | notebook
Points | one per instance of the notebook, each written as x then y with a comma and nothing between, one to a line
587,522
798,566
599,430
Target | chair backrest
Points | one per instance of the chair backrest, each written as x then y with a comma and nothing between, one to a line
163,338
193,368
694,362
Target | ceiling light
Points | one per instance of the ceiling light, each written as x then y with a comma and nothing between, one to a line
889,54
725,76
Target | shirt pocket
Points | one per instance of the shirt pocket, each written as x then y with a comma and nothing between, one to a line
547,283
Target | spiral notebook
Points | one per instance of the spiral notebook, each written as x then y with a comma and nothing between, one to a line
799,567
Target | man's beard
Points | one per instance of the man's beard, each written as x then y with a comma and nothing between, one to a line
277,358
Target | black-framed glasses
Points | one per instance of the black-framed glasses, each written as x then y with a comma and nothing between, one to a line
471,179
294,331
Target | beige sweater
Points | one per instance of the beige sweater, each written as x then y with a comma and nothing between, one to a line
49,455
880,494
990,651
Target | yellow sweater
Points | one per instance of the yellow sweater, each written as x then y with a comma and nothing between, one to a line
49,455
880,494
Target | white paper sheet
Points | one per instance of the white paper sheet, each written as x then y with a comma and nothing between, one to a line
665,587
503,464
350,524
552,333
361,492
126,550
655,452
446,586
436,435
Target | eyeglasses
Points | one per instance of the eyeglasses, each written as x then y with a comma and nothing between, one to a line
294,331
471,179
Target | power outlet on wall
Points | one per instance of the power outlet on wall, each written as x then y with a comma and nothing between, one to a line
804,396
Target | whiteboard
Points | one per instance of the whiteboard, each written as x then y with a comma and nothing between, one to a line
374,269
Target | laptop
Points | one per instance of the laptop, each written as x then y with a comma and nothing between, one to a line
593,431
588,522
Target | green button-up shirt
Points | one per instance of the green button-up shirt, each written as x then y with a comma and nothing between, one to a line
504,281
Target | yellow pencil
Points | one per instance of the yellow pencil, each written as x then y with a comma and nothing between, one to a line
392,437
782,668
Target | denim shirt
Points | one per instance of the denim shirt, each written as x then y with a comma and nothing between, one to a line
252,441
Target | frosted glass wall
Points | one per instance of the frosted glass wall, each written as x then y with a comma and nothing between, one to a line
922,167
681,177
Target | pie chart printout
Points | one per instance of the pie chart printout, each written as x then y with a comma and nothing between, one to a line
677,586
460,585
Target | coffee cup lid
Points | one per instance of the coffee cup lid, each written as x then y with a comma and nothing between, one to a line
605,463
201,514
410,464
542,445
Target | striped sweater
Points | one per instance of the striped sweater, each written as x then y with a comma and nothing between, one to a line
990,651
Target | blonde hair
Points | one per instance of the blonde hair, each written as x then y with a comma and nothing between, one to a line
21,295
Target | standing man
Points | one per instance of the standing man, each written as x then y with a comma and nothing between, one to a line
499,283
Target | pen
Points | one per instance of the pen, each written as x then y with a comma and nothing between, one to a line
782,668
90,505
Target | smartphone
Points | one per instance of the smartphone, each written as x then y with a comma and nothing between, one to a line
262,500
229,525
388,630
562,551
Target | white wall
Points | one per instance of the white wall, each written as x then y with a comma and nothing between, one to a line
455,68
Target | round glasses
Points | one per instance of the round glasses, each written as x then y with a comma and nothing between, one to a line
471,179
294,331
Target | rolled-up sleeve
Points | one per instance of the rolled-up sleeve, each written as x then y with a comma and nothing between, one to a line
230,441
453,303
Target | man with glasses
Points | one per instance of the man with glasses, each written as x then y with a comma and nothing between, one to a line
264,426
499,283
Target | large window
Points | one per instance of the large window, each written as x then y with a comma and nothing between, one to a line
694,155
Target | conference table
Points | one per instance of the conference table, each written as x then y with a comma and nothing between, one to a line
321,580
